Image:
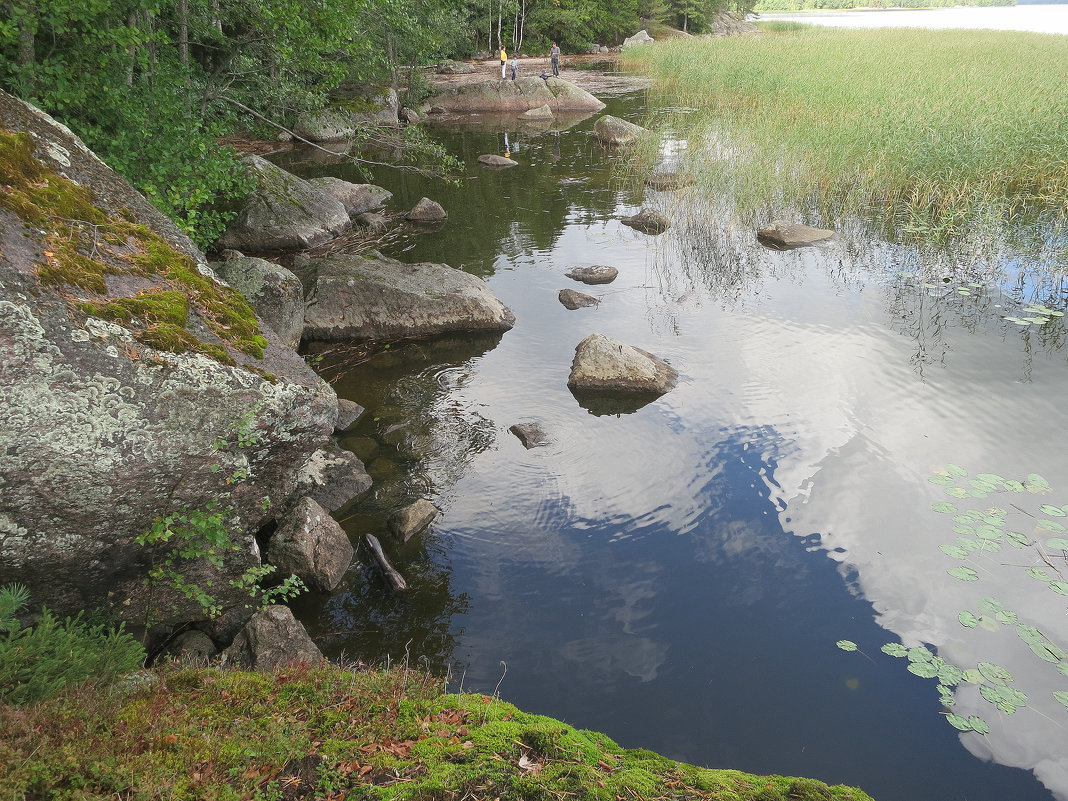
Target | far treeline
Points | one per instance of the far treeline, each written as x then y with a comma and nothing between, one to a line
816,5
150,85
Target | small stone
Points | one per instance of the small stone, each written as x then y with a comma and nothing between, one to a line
576,300
426,210
407,522
493,160
597,274
348,412
648,221
784,235
530,434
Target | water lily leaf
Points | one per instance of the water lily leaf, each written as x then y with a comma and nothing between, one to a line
1012,695
1029,634
944,507
1061,696
989,693
938,663
992,478
973,676
919,654
954,550
961,528
1059,587
963,291
978,725
1057,544
1050,525
894,649
995,674
1037,320
967,544
988,532
958,492
1053,511
984,486
963,573
923,669
990,606
1035,483
1057,313
1063,668
991,545
988,623
1039,573
930,286
1017,320
968,620
1006,706
995,517
950,675
1014,486
956,470
1017,539
957,722
1006,618
941,480
846,645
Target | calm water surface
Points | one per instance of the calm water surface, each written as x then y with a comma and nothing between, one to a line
1040,18
677,576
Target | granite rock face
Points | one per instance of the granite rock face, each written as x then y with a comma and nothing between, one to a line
325,125
362,298
519,95
273,291
332,477
133,384
284,213
310,545
356,198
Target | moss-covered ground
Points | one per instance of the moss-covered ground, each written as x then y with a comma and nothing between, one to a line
81,244
331,733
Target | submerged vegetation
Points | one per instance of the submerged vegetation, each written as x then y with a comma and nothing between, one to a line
924,131
332,733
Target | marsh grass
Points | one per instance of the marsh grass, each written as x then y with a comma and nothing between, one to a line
926,131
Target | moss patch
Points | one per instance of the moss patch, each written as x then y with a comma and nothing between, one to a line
330,733
82,245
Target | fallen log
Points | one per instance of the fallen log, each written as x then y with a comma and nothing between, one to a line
395,579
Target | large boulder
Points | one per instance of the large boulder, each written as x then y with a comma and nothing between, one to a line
133,385
603,364
454,68
493,160
724,23
784,235
271,639
640,38
325,125
519,95
613,131
273,292
310,545
283,213
356,198
365,298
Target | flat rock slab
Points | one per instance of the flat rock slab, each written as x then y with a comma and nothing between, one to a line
356,198
576,300
648,221
412,519
784,235
520,95
596,274
603,364
310,545
271,639
493,160
379,298
609,130
530,434
426,211
284,213
668,181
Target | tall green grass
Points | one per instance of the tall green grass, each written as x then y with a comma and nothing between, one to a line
927,129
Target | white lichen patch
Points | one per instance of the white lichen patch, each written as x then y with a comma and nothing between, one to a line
79,335
58,153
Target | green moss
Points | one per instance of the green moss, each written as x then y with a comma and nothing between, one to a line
83,244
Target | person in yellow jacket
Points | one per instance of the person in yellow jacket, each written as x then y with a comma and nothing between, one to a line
504,62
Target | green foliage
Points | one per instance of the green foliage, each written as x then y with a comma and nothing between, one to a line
39,661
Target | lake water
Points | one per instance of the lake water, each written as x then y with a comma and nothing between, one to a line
677,577
1040,18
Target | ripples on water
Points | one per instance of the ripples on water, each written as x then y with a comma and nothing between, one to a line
677,577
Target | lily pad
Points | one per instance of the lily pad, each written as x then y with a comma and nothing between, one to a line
944,507
1017,540
963,573
1053,511
954,550
1059,587
1057,544
920,654
957,722
846,645
978,725
968,620
923,669
894,649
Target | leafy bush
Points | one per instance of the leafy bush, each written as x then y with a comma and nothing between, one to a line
38,661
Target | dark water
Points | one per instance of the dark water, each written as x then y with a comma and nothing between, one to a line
677,577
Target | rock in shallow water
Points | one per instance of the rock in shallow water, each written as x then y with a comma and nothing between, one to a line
273,291
576,300
784,235
426,211
604,364
596,274
609,130
530,434
493,160
412,519
310,545
648,221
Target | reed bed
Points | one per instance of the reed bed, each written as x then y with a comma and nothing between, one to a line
928,130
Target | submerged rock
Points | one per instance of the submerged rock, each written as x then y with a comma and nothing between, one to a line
271,639
576,300
426,211
283,213
603,364
648,221
273,291
784,235
361,298
530,434
370,219
493,160
523,94
412,519
310,545
356,198
596,274
609,130
348,412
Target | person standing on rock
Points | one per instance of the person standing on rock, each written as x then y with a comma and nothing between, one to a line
514,65
504,63
554,54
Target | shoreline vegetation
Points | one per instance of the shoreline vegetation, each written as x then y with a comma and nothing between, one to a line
331,732
924,132
844,5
